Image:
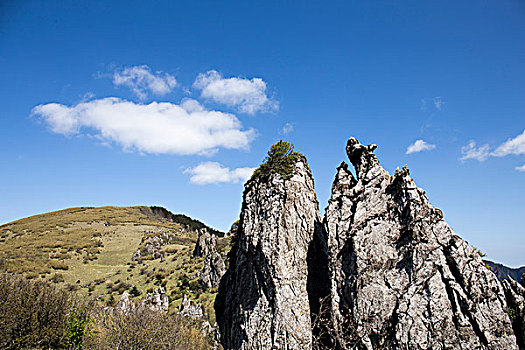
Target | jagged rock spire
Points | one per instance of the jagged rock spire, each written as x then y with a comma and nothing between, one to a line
400,277
263,300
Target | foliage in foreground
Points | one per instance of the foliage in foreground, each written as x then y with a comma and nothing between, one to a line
35,314
280,159
145,329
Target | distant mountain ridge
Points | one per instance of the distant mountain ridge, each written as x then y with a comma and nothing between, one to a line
502,271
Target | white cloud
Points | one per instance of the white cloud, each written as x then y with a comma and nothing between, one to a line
157,128
246,95
520,168
514,146
470,151
419,146
213,172
141,80
438,102
287,128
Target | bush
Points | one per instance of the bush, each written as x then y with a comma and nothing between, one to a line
280,159
146,329
35,314
58,265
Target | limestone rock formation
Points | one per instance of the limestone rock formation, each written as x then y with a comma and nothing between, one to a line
515,295
189,309
263,300
400,277
157,301
125,305
214,268
205,243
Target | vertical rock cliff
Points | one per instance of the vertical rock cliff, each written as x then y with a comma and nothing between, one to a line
263,300
515,295
400,277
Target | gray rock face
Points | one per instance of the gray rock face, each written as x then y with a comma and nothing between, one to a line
189,309
515,295
205,243
263,300
400,277
214,268
125,305
158,301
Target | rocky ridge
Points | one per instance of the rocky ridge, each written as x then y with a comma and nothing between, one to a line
385,271
400,277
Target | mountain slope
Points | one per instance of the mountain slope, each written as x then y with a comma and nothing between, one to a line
94,250
503,272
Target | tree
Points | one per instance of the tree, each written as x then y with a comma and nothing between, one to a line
280,159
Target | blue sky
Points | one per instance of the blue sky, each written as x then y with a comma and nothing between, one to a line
172,102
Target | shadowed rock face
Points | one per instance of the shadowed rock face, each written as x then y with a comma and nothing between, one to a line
399,276
515,295
263,300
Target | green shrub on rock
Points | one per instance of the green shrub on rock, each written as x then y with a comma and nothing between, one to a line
280,159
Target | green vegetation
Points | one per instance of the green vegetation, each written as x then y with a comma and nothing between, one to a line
90,250
280,159
35,314
38,315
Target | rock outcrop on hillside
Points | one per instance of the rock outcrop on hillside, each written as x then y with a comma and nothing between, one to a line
205,242
156,301
400,277
190,309
263,300
214,267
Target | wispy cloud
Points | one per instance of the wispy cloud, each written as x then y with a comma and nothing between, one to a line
420,146
287,128
513,146
156,128
438,102
432,104
213,172
142,81
520,168
246,95
470,151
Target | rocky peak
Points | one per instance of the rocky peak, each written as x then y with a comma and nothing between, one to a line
263,298
400,277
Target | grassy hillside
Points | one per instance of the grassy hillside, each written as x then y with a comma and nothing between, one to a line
90,250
